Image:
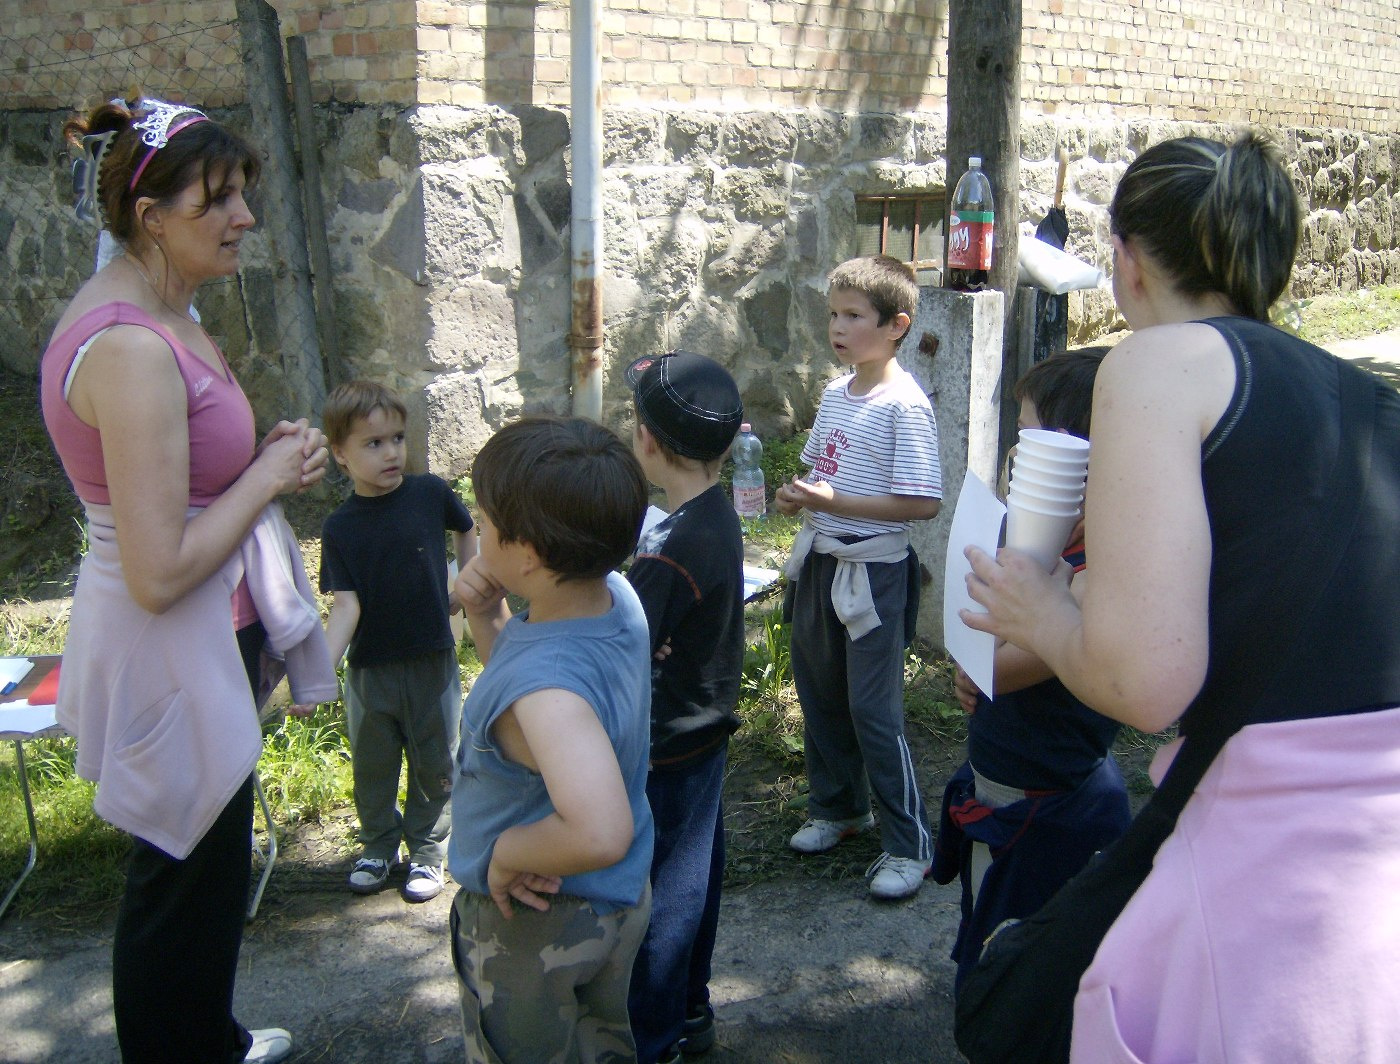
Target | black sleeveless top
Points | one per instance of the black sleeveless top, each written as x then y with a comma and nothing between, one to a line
1266,468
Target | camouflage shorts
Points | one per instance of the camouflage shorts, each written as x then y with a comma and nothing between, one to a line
547,988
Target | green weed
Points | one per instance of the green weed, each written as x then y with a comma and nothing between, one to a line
305,766
1344,315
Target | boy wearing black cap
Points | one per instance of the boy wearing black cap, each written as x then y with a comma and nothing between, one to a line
688,574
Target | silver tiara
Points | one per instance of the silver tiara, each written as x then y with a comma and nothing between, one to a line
159,117
159,126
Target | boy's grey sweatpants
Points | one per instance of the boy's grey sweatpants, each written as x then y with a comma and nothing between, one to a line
410,708
852,696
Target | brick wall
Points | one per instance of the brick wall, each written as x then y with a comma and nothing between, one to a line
1284,63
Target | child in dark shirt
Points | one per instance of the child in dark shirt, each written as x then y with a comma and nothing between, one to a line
688,572
1040,791
384,559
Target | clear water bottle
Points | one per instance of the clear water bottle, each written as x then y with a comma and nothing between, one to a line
750,497
971,219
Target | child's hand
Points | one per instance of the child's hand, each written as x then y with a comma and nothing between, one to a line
966,690
302,709
476,589
506,883
799,494
663,651
787,500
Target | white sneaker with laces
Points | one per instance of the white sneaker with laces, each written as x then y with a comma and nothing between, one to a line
424,882
896,877
270,1045
368,875
818,836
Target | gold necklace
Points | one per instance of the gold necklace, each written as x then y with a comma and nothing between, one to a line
137,265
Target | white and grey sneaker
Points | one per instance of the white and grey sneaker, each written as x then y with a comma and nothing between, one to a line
270,1045
818,836
424,882
896,877
369,875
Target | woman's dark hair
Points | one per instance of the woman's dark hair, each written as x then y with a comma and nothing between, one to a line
567,487
1062,389
1217,218
202,151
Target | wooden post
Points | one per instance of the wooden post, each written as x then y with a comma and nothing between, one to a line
322,281
984,118
283,222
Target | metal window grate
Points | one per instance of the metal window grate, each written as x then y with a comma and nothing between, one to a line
909,227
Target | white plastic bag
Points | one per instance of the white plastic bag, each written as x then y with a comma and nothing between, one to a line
1057,272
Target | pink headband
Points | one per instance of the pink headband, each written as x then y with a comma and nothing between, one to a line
159,126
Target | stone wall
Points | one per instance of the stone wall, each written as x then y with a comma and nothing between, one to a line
450,241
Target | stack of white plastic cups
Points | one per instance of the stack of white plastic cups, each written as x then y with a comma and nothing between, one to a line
1046,494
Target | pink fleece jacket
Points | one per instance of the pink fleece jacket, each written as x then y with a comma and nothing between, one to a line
1266,932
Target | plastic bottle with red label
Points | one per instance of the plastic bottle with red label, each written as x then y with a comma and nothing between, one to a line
970,223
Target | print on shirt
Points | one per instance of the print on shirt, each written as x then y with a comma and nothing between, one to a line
827,462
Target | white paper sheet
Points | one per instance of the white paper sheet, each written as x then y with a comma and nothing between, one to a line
976,523
20,720
13,670
756,578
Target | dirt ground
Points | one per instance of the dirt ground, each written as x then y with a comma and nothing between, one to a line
807,969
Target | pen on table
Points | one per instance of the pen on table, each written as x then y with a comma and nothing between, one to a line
9,687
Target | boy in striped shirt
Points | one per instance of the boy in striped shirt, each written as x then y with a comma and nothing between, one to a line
854,578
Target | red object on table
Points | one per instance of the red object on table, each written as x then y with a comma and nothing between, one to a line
46,694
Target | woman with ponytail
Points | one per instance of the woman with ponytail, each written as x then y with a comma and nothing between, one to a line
158,440
1244,526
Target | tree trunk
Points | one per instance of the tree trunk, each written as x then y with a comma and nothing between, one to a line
283,221
984,109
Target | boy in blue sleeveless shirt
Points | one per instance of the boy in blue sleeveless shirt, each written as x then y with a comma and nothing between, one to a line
550,797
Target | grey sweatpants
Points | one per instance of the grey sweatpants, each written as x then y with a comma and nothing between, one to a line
852,696
404,709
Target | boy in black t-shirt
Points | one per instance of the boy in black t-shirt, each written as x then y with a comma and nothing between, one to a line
1040,791
384,559
688,573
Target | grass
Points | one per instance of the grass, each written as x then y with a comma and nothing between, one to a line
1346,315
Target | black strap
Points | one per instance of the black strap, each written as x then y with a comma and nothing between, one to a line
1229,698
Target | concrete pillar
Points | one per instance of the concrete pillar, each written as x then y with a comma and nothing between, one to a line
961,373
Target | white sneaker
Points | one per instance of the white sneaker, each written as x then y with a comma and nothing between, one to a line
818,836
270,1045
368,875
896,877
424,882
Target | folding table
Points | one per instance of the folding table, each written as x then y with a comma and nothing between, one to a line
19,723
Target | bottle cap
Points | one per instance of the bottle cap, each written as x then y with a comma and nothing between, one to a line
745,427
974,160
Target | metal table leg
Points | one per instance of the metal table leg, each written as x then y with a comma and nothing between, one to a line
33,829
269,855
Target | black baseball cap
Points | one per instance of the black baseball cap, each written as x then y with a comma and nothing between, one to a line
689,402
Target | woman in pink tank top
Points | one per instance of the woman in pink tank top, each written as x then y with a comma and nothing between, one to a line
158,440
